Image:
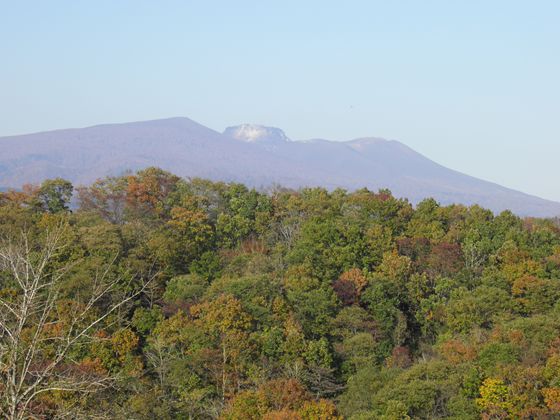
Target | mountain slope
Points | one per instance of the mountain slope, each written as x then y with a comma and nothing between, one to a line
255,155
176,144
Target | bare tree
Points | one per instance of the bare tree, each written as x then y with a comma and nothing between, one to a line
36,342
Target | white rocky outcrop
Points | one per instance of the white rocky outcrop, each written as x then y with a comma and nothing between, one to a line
253,133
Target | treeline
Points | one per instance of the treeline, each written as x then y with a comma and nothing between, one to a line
160,297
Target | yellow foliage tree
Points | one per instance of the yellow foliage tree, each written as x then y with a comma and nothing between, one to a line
495,400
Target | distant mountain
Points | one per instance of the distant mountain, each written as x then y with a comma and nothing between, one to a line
255,155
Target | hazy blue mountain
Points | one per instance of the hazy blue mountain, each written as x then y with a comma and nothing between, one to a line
256,155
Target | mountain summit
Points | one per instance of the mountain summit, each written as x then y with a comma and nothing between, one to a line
253,133
256,155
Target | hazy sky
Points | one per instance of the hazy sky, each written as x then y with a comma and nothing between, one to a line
474,85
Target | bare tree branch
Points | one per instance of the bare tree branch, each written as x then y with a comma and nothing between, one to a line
29,322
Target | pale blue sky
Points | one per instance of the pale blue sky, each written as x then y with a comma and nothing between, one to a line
474,85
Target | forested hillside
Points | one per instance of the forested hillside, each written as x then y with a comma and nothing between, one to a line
161,298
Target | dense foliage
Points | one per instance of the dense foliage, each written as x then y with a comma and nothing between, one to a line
286,304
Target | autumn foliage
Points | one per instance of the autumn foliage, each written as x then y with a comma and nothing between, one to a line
276,304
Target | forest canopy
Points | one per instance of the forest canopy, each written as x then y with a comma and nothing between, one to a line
151,296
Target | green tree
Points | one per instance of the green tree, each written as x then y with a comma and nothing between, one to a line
54,196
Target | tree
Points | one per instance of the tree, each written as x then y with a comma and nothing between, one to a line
147,192
495,398
106,197
313,305
552,399
225,319
319,410
349,286
41,333
53,196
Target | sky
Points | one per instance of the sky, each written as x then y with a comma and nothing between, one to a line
473,85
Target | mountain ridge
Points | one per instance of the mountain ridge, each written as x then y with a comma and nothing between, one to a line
265,156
